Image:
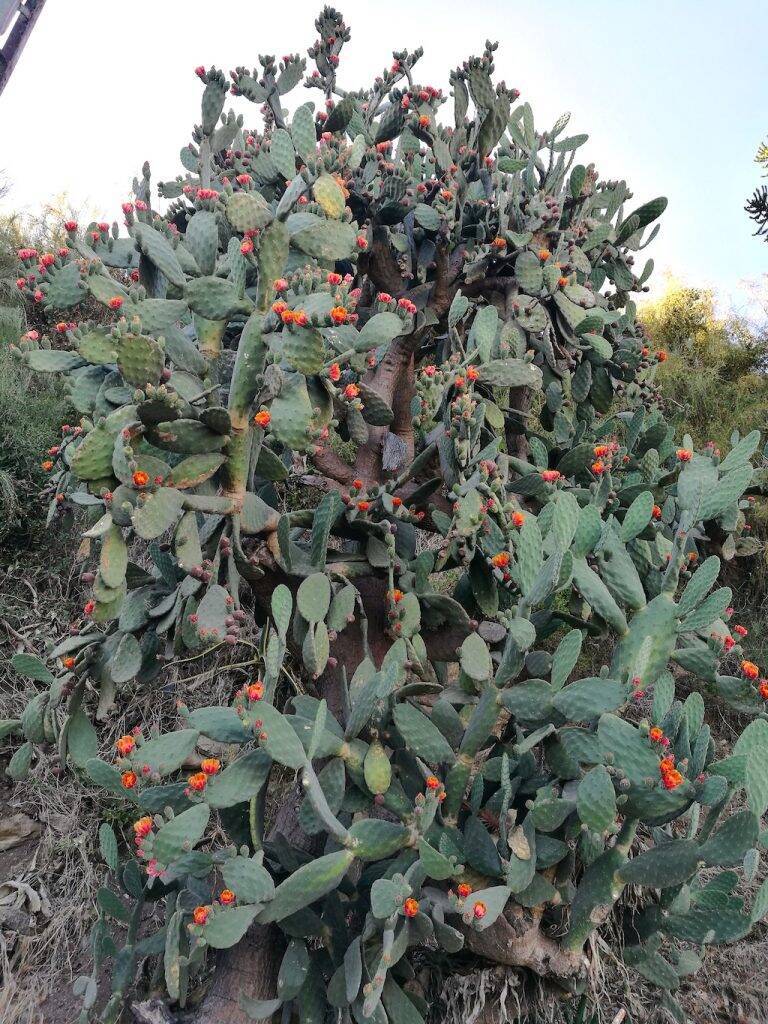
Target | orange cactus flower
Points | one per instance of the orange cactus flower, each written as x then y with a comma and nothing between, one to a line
47,465
129,780
200,915
363,506
671,779
544,255
763,689
501,560
262,419
656,734
563,282
661,356
499,242
198,781
750,669
601,450
472,373
226,897
396,596
433,782
142,827
334,372
459,382
666,764
210,765
68,662
255,691
351,391
125,745
464,890
287,316
656,512
550,476
424,121
446,195
397,502
598,468
684,454
357,483
411,907
479,910
518,519
140,478
339,315
115,302
279,307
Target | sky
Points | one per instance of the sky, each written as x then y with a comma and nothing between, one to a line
673,93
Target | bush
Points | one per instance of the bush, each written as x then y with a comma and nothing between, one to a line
714,379
456,301
32,410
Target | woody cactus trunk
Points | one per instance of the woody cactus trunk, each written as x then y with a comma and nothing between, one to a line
421,310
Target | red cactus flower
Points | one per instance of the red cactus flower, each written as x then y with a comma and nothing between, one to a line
279,307
397,502
38,296
433,782
363,506
226,897
598,468
459,382
334,278
198,781
243,179
21,283
361,242
210,765
656,512
684,454
68,663
464,890
246,246
140,478
411,907
351,391
472,373
255,690
89,607
384,297
728,642
549,476
741,630
518,519
358,484
762,689
479,910
129,780
262,419
300,318
656,734
281,285
429,371
334,371
70,225
115,302
396,596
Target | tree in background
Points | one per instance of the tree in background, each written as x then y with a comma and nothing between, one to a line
452,294
713,379
757,206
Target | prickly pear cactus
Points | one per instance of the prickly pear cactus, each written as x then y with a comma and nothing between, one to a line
435,285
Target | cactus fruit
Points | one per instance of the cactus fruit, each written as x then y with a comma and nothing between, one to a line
447,301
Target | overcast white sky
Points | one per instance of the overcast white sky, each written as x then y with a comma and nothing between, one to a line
674,95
